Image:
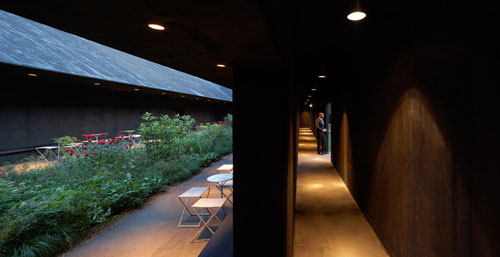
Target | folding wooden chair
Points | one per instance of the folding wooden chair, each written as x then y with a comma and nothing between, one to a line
194,192
208,203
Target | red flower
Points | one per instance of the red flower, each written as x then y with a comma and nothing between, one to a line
77,155
78,140
85,135
102,134
85,147
86,154
121,131
130,144
94,152
90,139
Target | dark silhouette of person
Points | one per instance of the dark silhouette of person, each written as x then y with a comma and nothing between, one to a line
321,134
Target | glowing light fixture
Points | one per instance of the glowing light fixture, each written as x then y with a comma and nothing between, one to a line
356,16
162,93
156,26
32,74
313,89
220,65
311,105
136,89
321,76
97,84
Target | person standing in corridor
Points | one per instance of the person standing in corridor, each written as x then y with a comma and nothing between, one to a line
321,134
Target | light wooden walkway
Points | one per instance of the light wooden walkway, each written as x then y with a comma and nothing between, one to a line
327,220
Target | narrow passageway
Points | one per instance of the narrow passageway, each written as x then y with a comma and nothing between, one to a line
328,221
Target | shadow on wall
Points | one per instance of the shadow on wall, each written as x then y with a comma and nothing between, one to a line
345,153
411,190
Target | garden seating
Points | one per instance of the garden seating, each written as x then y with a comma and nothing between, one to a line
48,152
193,192
136,139
208,204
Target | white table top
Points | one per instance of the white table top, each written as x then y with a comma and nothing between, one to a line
47,147
194,192
226,167
209,203
220,177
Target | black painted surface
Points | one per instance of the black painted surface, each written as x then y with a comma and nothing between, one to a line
262,161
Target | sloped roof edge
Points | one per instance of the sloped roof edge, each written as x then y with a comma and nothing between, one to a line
25,42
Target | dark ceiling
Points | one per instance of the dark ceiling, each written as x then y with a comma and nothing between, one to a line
201,34
198,34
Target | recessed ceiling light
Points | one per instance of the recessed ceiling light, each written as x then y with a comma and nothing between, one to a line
356,16
321,76
183,96
221,65
197,98
162,93
97,83
313,89
136,89
309,96
156,26
32,74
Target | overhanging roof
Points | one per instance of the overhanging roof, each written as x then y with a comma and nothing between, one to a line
24,42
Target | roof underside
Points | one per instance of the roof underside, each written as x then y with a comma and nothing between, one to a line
24,42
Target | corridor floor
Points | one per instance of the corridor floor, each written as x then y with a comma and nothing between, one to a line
328,221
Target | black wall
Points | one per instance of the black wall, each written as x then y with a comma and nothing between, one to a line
265,150
418,141
34,110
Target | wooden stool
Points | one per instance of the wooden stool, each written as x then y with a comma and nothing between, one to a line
194,192
207,203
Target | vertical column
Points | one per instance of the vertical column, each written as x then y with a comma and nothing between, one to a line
262,134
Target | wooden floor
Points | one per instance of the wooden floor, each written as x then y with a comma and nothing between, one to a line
327,220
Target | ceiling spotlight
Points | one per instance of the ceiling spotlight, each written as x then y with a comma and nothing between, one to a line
162,93
183,96
32,74
321,76
97,84
313,89
136,89
356,16
156,26
220,65
311,105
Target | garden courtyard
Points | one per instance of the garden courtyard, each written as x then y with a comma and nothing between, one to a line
112,196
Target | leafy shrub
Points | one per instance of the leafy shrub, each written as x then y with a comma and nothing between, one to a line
45,211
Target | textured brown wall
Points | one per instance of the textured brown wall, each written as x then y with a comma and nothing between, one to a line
305,119
401,153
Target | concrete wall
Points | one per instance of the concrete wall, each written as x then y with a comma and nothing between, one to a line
35,109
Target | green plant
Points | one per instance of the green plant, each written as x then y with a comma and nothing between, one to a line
45,211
